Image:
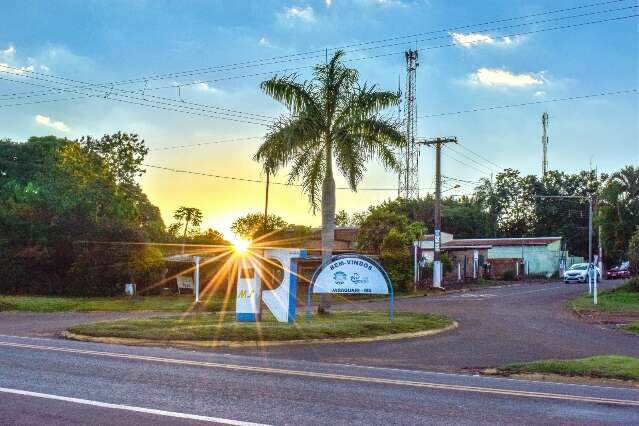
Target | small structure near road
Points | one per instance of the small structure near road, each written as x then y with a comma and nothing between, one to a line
499,257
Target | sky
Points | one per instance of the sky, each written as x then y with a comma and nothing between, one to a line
204,58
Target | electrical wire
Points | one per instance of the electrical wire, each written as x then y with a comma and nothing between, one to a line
261,62
478,155
146,79
191,172
491,108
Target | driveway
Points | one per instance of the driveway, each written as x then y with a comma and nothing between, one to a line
523,322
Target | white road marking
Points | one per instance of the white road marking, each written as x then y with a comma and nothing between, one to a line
343,377
129,408
394,369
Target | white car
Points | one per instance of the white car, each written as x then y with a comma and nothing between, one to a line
578,273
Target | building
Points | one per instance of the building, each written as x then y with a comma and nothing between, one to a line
495,256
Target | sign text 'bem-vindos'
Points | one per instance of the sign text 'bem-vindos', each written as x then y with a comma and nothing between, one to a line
351,274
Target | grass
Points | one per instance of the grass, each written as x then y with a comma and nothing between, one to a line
85,304
633,327
602,367
623,299
224,327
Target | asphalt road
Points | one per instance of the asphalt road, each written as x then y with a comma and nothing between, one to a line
52,381
522,322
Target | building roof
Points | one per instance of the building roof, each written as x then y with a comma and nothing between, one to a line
531,241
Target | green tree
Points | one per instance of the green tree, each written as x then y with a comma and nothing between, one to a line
122,153
618,211
333,118
253,225
633,250
190,216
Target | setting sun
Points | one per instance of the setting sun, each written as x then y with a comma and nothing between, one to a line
240,245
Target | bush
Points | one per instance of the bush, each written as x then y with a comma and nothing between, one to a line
103,270
631,286
397,260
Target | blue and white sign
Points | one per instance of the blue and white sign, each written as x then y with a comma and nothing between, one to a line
281,300
351,274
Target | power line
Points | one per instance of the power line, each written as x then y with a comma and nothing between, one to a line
460,180
470,159
225,116
109,85
260,62
479,156
491,108
109,91
167,148
465,164
191,172
172,105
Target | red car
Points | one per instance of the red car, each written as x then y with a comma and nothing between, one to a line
621,271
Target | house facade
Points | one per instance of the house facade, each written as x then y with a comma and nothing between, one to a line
496,256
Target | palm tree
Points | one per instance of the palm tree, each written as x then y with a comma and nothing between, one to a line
190,215
332,119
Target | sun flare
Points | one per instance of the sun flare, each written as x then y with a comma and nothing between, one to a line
240,245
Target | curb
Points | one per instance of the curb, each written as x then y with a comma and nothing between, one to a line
252,343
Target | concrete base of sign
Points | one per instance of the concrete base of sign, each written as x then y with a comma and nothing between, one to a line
252,343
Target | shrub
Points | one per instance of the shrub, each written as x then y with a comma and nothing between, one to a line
397,260
632,285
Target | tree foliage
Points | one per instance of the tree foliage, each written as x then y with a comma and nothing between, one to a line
55,193
253,225
332,119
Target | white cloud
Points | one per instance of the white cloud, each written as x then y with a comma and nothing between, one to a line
43,120
304,14
473,39
44,68
540,94
9,52
502,78
264,42
205,87
15,70
468,40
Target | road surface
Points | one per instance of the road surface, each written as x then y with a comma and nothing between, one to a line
52,381
518,323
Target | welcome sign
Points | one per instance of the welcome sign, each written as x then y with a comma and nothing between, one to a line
353,274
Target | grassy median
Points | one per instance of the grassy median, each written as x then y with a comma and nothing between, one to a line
118,304
601,367
633,328
220,327
623,299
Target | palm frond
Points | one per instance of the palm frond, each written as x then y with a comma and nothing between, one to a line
350,159
285,138
293,95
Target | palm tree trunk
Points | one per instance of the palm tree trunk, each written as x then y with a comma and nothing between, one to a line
328,226
186,226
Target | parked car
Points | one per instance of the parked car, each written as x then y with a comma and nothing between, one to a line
620,271
578,273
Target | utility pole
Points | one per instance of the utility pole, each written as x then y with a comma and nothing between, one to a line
268,181
437,264
544,143
410,162
399,120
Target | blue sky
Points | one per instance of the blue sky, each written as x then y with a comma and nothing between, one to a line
103,41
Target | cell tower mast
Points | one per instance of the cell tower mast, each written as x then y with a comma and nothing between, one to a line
410,175
544,143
